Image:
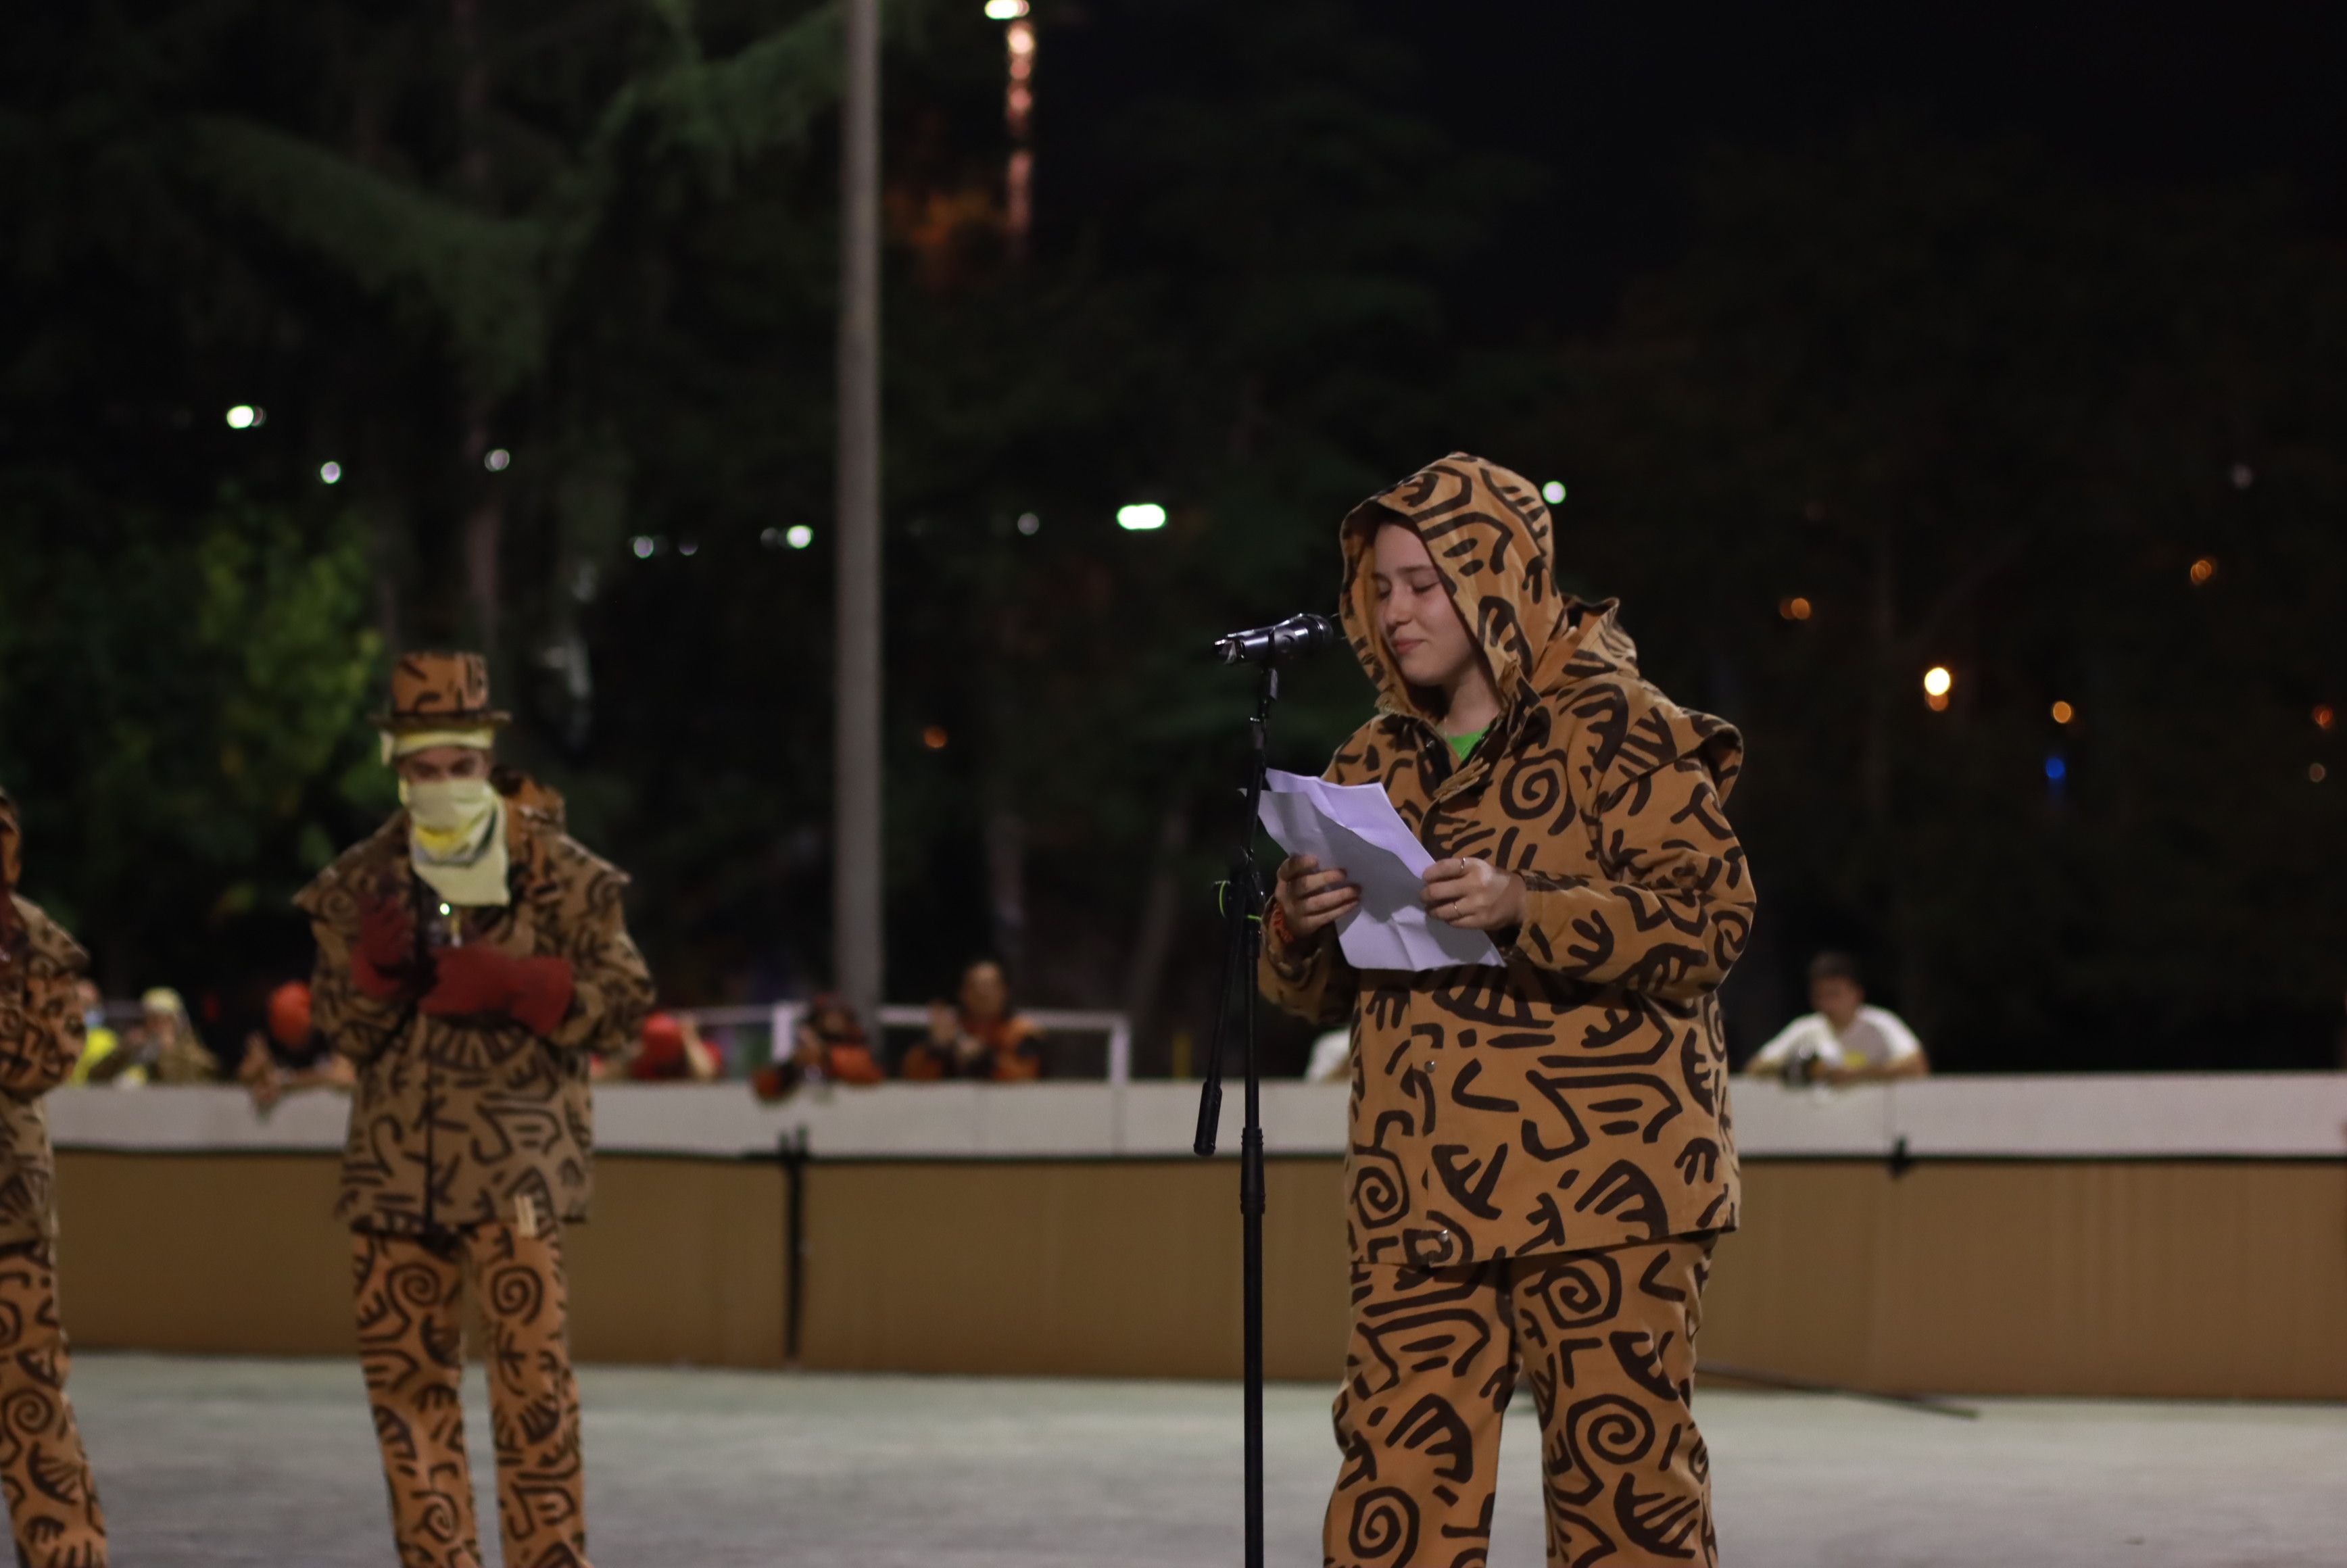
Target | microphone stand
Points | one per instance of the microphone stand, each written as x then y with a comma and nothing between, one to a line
1243,899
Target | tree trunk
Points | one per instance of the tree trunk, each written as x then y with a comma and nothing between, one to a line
1006,881
1161,912
485,532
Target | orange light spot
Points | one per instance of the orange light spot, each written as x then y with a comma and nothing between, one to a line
2064,712
934,737
1936,700
2324,717
2318,772
1800,608
2203,571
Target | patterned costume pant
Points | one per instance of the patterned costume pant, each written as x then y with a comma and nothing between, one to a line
52,1502
410,1292
1608,1339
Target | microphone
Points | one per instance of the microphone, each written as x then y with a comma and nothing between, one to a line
1298,634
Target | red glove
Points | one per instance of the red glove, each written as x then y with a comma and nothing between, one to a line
384,960
533,993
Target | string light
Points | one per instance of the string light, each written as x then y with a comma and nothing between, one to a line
331,473
1553,492
1794,609
2064,712
2324,717
934,737
1144,517
2203,569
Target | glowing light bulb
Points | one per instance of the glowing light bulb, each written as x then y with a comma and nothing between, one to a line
332,473
1553,492
1145,517
798,536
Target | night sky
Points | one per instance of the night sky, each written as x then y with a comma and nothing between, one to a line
1617,101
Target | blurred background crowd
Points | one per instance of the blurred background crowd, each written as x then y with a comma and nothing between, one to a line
1971,446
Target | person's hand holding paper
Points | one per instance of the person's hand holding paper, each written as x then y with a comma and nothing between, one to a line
1355,827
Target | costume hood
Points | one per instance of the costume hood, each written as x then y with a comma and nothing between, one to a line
1489,534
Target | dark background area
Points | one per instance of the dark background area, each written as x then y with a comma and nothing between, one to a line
1974,328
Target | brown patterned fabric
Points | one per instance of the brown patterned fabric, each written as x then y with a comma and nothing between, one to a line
440,691
1576,1099
40,1040
1607,1340
52,1508
458,1120
410,1295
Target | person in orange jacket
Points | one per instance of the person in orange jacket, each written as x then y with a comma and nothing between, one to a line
979,1035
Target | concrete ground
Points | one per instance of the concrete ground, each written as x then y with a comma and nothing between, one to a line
205,1463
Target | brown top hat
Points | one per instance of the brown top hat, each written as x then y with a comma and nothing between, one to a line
440,691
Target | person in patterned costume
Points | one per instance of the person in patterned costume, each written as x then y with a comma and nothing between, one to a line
53,1506
471,958
1539,1155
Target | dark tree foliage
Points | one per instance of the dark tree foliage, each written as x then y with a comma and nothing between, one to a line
1972,410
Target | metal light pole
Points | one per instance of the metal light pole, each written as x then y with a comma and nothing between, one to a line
857,924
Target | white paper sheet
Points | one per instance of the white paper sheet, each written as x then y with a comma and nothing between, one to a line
1355,827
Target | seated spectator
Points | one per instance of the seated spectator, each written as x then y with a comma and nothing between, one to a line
1332,1058
979,1035
102,1059
828,1046
166,1043
1845,1040
291,1056
671,1050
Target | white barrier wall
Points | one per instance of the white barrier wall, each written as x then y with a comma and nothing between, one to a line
2256,1116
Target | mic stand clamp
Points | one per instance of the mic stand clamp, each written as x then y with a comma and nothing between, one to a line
1243,904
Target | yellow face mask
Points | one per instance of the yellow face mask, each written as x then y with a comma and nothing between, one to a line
446,814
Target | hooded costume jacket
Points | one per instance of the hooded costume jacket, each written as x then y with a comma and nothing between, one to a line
1576,1099
458,1120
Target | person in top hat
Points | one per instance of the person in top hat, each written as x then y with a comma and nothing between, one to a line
52,1502
471,958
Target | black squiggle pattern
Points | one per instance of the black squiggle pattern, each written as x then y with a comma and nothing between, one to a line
1578,1098
410,1293
463,1121
1607,1340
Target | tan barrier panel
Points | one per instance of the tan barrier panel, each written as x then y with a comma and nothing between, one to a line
1114,1267
2178,1280
239,1255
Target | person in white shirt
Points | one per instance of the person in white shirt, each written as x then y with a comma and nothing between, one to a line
1845,1040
